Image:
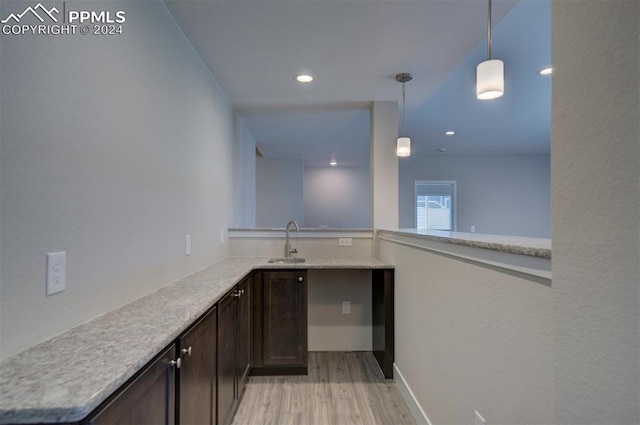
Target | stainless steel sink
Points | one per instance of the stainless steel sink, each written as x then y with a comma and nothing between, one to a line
283,260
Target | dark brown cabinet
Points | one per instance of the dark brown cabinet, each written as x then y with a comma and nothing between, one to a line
234,337
197,373
199,379
183,376
244,334
280,322
227,325
382,293
148,399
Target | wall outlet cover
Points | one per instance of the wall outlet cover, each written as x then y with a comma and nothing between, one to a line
346,307
345,241
187,245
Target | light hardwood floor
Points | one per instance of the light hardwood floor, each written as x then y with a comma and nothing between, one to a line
342,388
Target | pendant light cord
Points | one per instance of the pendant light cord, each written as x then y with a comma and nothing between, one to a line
403,109
489,33
403,78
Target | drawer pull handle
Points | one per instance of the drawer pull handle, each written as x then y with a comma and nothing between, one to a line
300,278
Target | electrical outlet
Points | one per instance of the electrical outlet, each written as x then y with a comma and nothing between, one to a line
222,236
473,228
56,272
345,242
187,245
478,419
346,307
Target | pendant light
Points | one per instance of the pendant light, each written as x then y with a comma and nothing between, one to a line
490,73
403,145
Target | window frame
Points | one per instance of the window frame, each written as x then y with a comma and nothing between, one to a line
454,201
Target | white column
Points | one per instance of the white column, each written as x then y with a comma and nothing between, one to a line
384,165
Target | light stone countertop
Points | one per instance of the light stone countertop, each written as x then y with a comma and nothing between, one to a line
65,378
302,229
534,247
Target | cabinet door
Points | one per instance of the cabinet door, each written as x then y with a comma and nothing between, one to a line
244,334
227,325
284,318
148,399
197,372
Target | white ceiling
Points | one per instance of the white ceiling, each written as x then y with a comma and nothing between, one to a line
354,48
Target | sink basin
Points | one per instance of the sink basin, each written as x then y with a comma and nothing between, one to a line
283,260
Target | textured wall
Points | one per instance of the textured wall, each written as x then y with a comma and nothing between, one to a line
337,196
384,164
244,176
469,337
596,211
508,194
279,189
113,149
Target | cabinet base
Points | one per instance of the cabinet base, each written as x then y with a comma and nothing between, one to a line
284,370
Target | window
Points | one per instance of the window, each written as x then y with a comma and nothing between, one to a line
435,205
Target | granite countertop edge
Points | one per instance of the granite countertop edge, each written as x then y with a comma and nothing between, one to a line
50,382
532,247
302,229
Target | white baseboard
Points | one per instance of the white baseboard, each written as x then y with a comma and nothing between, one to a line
409,398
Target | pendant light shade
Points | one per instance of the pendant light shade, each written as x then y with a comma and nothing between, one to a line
490,73
490,79
403,144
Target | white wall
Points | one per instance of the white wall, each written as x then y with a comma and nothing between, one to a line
384,164
596,211
244,176
337,196
113,148
498,193
470,337
279,188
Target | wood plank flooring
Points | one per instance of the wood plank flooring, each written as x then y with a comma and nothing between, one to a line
342,388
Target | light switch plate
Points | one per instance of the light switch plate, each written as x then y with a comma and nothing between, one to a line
345,242
56,272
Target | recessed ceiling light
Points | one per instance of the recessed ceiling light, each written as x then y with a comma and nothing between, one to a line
333,162
303,78
546,71
450,133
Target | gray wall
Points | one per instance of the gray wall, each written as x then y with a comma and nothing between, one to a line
498,193
472,337
337,196
596,210
113,149
244,176
278,192
286,190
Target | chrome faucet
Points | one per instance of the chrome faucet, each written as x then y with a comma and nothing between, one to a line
287,245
